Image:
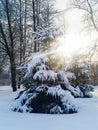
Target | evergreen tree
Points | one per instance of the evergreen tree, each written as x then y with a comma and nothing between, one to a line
46,90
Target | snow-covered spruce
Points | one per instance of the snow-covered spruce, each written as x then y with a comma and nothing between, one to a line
81,91
79,76
45,99
47,91
86,90
78,73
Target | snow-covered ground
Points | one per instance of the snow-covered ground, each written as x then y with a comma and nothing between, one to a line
85,119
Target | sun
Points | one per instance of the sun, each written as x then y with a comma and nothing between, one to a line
71,45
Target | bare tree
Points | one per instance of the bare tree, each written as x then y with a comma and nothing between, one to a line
90,16
19,19
90,9
25,29
44,28
7,35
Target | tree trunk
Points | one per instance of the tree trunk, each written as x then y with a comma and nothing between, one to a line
34,21
25,30
21,51
13,73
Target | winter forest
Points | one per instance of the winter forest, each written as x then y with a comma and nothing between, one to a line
49,64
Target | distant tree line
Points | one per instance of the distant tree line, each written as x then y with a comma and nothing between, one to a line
25,26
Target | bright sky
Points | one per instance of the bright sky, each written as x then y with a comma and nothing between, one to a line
75,36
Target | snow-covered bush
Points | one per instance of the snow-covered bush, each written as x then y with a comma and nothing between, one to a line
86,89
47,91
79,76
78,73
45,99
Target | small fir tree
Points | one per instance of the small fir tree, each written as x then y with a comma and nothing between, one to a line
46,90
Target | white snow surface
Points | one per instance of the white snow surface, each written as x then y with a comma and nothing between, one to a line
85,119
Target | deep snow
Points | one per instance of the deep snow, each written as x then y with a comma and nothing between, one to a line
85,119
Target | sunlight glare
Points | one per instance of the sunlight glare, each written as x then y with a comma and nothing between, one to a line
71,45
